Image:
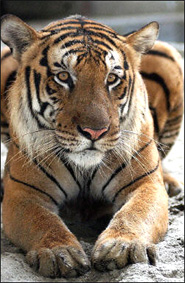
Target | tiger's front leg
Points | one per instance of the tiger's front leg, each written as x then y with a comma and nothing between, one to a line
135,228
30,220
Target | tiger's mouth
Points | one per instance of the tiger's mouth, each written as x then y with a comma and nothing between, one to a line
85,153
87,158
91,148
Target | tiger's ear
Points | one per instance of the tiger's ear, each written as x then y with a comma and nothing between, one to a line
143,39
16,34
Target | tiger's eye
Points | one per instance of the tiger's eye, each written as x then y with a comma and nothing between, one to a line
111,78
63,76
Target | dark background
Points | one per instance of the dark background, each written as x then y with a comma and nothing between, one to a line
50,9
123,16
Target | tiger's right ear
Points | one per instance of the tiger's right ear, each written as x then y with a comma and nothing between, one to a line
16,34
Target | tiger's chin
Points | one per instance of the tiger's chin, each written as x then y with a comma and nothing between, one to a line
87,158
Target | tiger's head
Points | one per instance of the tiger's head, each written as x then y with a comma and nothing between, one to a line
78,87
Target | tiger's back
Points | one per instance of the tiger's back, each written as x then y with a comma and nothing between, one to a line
161,69
8,73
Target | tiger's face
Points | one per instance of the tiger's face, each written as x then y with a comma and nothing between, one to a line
87,98
80,78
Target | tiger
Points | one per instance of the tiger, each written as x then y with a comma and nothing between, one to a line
87,115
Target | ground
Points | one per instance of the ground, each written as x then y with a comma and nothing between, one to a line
170,263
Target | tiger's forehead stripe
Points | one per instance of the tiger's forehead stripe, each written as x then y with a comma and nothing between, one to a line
66,28
80,26
79,37
85,33
80,21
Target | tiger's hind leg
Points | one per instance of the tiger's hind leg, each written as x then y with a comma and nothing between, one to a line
167,139
171,130
173,187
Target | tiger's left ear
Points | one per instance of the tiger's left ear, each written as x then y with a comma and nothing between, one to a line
143,39
16,34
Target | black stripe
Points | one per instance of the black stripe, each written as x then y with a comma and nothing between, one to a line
55,31
8,54
27,78
117,67
70,169
72,51
6,134
49,90
88,33
167,130
50,177
169,145
123,105
158,79
134,181
162,152
63,24
177,107
100,42
123,94
154,115
56,64
43,105
65,35
44,60
120,168
129,83
103,29
92,177
99,55
72,43
54,99
131,92
44,171
103,36
159,53
169,136
4,124
37,79
176,119
33,187
10,80
43,108
126,67
81,57
81,22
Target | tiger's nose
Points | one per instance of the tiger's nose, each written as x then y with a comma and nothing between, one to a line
92,134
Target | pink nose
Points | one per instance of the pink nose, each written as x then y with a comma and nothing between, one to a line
95,134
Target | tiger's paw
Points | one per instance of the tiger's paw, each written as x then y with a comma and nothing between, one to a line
59,261
116,253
